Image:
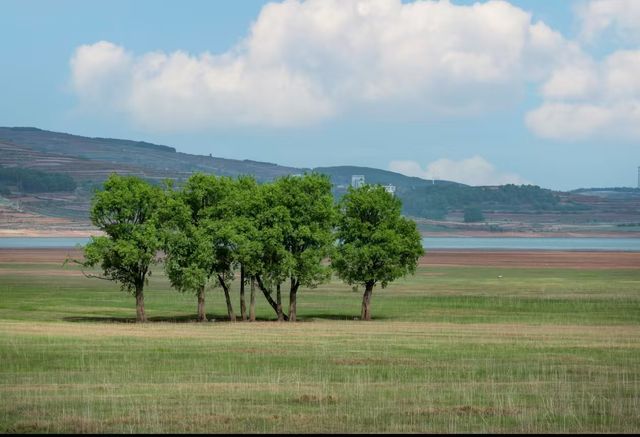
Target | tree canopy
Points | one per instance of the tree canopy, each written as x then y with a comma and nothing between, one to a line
28,180
127,211
285,230
308,233
375,243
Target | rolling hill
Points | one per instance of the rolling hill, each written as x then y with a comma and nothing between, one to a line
28,154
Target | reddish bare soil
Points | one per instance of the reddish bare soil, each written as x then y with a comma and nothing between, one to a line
25,256
539,259
461,258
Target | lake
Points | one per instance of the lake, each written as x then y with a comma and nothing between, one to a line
608,244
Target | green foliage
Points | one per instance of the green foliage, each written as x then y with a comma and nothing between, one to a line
435,201
200,232
187,254
308,233
248,205
473,215
126,210
376,244
34,181
273,224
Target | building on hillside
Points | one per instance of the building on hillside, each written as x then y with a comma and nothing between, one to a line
390,189
357,180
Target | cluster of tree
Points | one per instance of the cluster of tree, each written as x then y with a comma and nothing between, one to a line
27,180
436,201
213,229
616,189
473,214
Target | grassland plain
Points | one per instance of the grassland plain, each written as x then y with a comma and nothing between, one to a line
451,349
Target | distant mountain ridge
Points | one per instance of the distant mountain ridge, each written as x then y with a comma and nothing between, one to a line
159,161
28,134
89,161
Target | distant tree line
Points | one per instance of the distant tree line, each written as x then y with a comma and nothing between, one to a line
616,189
436,201
215,230
27,180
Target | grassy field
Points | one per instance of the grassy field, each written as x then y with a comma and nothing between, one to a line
451,349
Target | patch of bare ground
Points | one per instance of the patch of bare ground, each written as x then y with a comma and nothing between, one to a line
38,256
50,232
486,333
316,399
435,257
535,259
464,410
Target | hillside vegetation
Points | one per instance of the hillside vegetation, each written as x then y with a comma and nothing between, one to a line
60,160
436,201
34,181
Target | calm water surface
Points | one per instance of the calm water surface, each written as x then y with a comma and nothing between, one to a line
618,244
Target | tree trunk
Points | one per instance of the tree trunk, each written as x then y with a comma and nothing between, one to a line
243,305
366,301
293,293
202,315
252,301
140,315
279,303
232,316
267,296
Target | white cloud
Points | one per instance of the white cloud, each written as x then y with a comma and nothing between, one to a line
571,81
303,62
621,17
591,101
101,73
471,171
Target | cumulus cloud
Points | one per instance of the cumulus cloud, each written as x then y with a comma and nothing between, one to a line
472,171
101,73
602,101
619,17
304,62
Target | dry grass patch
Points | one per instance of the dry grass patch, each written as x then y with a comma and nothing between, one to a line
465,410
303,334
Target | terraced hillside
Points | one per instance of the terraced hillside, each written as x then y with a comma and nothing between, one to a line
437,205
125,156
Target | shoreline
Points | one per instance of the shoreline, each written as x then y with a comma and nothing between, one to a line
85,233
560,234
52,233
434,258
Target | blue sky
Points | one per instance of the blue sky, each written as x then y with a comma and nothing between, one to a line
530,91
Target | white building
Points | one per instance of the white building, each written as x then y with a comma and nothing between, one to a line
390,189
357,180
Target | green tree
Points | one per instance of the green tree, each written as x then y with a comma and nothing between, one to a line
308,235
209,202
126,211
473,215
375,243
275,262
248,204
188,248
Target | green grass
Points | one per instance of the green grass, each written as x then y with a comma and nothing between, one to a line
449,350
